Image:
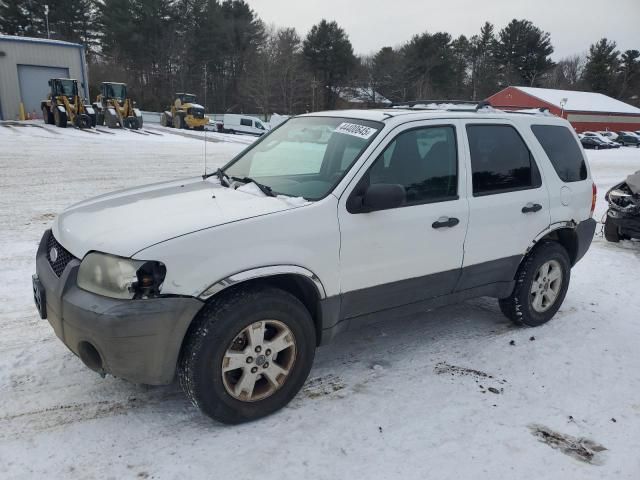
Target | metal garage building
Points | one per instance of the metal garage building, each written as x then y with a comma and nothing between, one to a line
26,65
586,111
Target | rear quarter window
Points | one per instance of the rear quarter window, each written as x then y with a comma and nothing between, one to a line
563,151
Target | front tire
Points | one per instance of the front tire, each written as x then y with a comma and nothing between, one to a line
247,354
59,118
541,285
611,233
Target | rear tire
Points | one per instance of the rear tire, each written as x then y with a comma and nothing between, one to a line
220,332
177,122
530,302
47,116
611,233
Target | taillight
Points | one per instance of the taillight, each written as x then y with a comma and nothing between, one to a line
594,195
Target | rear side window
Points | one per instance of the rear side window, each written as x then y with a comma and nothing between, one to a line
500,160
563,151
246,122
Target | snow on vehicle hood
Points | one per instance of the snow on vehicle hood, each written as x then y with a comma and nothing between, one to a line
196,105
125,222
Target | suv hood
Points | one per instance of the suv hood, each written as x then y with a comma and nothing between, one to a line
125,222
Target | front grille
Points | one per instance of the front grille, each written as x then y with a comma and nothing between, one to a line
63,256
197,112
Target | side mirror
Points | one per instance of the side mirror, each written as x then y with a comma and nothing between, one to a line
383,196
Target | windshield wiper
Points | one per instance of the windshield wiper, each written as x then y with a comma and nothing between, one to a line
263,188
223,177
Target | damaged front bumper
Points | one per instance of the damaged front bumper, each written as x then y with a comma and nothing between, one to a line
138,340
624,209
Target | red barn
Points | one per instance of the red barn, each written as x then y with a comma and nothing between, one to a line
586,111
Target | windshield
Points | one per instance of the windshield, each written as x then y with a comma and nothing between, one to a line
67,88
186,98
306,156
116,91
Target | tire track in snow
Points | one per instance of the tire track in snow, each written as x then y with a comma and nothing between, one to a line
43,419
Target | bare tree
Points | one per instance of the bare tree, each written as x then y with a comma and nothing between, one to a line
567,73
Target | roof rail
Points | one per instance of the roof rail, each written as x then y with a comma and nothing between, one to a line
473,105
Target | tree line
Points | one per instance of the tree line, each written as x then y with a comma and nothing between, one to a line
223,52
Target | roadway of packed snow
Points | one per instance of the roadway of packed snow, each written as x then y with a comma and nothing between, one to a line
454,393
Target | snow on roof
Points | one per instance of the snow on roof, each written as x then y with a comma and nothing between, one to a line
580,101
363,95
17,38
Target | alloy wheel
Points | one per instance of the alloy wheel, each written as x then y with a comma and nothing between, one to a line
258,361
546,286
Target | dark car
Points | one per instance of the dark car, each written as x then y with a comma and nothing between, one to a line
623,216
625,138
594,143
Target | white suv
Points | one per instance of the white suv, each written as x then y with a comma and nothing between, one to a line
331,221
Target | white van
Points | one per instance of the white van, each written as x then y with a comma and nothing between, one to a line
232,123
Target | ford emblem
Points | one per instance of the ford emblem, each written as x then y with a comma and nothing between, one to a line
53,254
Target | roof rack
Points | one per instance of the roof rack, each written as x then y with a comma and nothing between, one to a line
473,105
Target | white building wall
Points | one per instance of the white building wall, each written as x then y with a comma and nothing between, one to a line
16,51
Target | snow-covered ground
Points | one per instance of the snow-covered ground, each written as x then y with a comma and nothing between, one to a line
454,393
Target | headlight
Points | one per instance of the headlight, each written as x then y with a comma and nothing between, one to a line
118,277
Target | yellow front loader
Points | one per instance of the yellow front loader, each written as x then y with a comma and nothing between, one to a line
185,113
115,109
63,105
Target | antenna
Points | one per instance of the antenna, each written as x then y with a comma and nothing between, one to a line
205,150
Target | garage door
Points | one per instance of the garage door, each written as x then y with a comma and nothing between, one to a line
34,84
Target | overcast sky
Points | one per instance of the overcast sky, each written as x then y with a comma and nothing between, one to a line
372,24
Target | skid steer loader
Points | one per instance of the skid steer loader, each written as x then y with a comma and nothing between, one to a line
115,109
184,113
63,105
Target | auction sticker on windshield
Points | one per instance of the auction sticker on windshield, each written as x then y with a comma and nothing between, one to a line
356,130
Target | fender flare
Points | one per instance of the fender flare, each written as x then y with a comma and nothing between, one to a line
576,237
262,272
571,225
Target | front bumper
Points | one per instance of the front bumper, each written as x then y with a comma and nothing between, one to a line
628,223
138,340
194,122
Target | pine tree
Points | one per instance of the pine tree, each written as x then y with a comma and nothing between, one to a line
243,33
428,65
483,63
629,76
329,54
22,17
387,71
602,65
460,49
523,52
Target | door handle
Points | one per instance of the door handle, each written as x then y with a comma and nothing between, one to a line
531,208
443,222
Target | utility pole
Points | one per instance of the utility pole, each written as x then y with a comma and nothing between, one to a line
205,87
314,86
46,16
